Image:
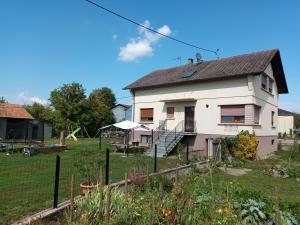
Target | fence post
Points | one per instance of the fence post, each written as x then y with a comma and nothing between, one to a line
107,167
187,153
155,158
152,137
56,182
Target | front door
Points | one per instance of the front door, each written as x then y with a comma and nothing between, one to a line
189,118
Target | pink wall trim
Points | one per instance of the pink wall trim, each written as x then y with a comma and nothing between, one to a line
198,143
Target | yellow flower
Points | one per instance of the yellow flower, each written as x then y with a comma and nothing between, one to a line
219,210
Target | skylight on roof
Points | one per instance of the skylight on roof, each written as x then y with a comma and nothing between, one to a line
188,74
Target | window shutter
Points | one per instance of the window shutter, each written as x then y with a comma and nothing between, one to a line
146,113
233,110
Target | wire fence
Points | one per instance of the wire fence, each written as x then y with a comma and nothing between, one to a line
27,183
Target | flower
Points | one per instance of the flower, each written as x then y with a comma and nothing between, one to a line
226,210
219,210
168,213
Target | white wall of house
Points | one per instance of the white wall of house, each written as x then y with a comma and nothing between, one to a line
285,124
243,90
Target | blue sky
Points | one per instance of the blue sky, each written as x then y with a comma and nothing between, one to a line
44,44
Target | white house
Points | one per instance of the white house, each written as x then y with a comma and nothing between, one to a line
122,112
210,99
286,122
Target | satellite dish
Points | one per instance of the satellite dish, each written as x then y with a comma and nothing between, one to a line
198,57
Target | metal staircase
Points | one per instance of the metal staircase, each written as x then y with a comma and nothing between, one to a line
167,140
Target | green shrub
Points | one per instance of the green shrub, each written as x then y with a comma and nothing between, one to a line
286,218
242,146
160,181
252,212
246,145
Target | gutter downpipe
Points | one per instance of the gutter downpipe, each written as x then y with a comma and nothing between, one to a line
133,109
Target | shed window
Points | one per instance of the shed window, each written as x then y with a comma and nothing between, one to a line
170,112
147,115
233,113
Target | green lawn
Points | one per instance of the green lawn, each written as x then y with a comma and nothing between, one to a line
289,188
27,184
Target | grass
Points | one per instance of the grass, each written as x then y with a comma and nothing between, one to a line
180,199
27,184
257,180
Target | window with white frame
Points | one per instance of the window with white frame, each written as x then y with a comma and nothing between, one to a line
264,81
270,86
256,114
273,119
267,83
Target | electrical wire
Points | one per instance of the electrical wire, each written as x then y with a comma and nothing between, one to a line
154,31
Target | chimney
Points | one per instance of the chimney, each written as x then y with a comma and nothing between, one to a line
190,61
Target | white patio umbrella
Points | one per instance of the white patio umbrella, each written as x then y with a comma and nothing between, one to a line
125,125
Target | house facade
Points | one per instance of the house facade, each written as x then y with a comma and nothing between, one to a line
122,112
208,100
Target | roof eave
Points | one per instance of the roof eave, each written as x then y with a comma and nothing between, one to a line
187,82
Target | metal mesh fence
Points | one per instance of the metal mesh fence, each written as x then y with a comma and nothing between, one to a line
27,182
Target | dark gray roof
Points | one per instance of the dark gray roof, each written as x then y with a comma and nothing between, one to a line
254,63
282,112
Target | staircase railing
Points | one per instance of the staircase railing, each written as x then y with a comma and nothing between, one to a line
161,129
178,130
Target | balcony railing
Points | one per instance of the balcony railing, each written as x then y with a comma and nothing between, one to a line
161,129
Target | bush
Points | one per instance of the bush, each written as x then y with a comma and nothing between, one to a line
242,146
246,145
253,212
285,218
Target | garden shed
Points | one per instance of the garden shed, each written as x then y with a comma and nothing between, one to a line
17,125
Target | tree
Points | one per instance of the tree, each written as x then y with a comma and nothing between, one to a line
99,115
69,100
47,114
297,121
103,96
2,100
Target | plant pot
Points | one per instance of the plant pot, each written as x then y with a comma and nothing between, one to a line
86,187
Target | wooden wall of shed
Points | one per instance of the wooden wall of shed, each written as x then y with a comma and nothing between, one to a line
2,128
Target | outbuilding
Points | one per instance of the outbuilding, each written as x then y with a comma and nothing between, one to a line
286,122
17,125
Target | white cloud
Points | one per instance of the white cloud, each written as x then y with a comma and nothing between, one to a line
290,106
142,46
24,98
114,37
